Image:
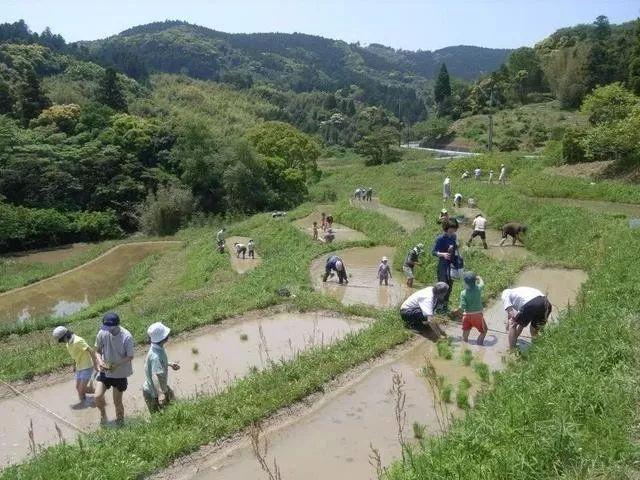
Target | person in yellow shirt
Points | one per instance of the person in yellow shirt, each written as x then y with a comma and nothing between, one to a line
84,358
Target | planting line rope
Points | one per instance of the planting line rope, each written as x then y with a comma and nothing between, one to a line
42,407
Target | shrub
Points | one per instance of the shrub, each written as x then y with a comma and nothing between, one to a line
435,132
572,150
164,212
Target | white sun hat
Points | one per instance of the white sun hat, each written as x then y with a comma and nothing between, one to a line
59,332
158,332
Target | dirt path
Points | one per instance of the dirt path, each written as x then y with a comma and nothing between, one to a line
211,358
362,268
75,289
332,439
241,265
408,220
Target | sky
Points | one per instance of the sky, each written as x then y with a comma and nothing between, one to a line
408,24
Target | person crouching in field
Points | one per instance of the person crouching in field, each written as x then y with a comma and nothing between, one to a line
85,362
241,249
417,310
335,264
471,307
156,391
513,230
384,271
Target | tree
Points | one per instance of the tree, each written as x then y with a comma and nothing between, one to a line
609,103
6,98
31,100
442,87
165,211
634,63
378,146
435,132
110,92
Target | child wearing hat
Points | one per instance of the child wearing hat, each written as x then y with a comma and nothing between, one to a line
84,358
384,271
471,307
156,391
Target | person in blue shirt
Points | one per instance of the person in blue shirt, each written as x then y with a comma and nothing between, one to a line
445,248
335,263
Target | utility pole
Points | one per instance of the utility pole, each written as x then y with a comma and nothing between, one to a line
490,141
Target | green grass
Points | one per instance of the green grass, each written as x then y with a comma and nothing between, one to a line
482,370
445,350
142,447
467,357
15,273
462,394
446,392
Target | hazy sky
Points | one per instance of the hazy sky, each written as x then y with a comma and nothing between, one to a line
410,24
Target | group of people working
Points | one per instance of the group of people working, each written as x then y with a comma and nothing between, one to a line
326,225
108,365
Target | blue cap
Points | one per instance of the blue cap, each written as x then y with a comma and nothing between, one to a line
470,278
110,319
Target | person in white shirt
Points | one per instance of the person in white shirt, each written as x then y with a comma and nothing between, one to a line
417,310
446,189
479,230
478,173
525,306
503,175
490,176
457,200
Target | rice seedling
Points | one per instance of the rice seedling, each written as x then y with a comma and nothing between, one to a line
467,357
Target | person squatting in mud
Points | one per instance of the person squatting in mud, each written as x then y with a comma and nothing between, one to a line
335,264
417,310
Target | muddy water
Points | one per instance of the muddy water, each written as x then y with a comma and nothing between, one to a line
49,256
241,265
75,289
408,220
494,236
611,208
362,268
332,441
220,353
342,233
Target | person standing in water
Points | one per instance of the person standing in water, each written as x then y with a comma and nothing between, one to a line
479,230
477,174
413,259
114,353
251,249
525,306
156,391
444,248
315,230
417,311
369,194
471,307
491,176
384,271
85,361
323,221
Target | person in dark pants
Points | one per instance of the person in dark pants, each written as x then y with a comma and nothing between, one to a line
335,264
417,310
513,230
241,249
525,306
445,248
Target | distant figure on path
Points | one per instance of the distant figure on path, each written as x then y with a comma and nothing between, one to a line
446,189
156,391
444,248
417,310
513,230
491,176
384,271
251,249
477,173
525,306
114,352
329,236
335,264
471,307
315,230
465,175
503,175
323,221
443,218
413,259
457,200
220,237
329,222
479,230
241,249
369,194
85,362
357,194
